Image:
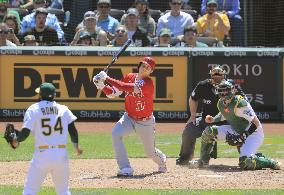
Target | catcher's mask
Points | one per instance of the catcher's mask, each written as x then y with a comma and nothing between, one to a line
46,91
225,90
217,74
148,60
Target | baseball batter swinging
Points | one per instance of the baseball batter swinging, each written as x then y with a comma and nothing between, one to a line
50,123
139,95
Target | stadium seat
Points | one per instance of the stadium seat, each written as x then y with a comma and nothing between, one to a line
210,41
116,13
155,14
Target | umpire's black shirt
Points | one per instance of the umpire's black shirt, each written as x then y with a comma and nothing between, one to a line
205,93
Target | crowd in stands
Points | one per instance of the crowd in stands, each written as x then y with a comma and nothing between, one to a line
39,23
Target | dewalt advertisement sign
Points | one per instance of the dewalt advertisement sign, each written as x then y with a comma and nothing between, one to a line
72,77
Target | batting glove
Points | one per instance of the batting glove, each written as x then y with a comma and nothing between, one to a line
99,84
101,76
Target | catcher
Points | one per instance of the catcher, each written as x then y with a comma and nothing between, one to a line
244,130
50,124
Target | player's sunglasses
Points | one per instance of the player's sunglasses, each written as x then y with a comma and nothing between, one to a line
120,30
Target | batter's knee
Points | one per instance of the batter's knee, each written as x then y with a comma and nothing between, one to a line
209,134
247,163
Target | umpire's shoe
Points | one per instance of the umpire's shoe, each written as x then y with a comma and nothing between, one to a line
195,164
125,172
181,162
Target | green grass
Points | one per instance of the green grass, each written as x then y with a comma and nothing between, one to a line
12,190
98,145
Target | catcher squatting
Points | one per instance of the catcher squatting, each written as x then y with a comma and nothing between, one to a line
49,122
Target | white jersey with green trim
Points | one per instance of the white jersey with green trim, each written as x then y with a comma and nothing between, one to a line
48,122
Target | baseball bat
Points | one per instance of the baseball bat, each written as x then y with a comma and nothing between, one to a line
118,54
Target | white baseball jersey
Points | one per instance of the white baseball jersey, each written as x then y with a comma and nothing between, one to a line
48,122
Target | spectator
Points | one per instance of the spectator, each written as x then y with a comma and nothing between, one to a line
232,9
164,38
105,21
3,11
213,24
44,34
89,25
56,4
190,38
13,28
138,35
85,39
30,40
3,36
175,20
29,22
120,37
145,20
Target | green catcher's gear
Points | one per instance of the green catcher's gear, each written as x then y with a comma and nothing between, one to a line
208,138
225,90
259,161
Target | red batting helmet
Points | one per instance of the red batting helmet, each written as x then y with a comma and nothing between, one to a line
148,60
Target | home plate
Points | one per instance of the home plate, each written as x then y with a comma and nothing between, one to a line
212,176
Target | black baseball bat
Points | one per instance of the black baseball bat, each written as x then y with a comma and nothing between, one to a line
117,55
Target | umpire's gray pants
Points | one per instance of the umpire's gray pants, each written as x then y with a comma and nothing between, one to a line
146,132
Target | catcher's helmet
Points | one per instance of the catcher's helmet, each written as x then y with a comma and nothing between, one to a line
217,70
225,90
148,60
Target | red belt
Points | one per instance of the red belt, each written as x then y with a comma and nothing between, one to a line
141,118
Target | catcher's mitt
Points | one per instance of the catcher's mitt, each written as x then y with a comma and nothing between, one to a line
235,140
11,135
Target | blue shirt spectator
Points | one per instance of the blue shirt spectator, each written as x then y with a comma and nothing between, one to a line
232,9
29,22
175,20
109,24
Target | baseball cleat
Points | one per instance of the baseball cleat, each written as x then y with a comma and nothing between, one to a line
195,164
276,165
181,162
125,172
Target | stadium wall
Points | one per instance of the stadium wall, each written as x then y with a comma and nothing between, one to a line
259,71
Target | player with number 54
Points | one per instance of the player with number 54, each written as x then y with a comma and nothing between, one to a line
138,116
50,123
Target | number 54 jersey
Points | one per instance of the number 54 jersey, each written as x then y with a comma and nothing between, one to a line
48,122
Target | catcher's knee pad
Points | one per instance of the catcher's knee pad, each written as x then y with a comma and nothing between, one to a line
209,134
247,163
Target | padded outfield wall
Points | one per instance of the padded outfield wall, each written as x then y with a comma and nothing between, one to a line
258,71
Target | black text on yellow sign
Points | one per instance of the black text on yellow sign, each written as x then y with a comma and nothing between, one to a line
76,83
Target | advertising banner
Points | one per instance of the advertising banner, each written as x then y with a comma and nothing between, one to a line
72,76
257,76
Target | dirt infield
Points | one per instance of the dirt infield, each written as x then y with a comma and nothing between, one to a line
101,173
